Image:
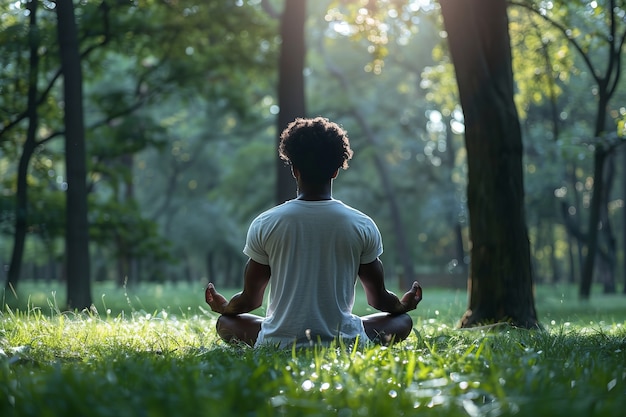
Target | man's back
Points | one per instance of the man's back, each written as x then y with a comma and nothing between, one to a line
314,249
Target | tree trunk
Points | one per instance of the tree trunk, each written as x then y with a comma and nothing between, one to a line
500,280
290,85
607,84
21,204
609,253
77,236
597,199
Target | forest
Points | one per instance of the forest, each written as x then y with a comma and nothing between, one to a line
138,138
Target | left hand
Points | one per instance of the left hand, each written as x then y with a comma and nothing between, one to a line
214,299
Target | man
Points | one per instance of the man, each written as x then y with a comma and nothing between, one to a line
310,251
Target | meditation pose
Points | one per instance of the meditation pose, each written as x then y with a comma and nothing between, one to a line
310,250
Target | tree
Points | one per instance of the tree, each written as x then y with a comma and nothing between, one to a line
77,237
500,280
39,40
28,148
606,75
291,98
153,52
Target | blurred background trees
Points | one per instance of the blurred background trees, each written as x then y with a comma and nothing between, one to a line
181,106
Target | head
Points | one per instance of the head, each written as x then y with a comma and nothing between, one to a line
316,148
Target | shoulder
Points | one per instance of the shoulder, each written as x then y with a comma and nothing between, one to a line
272,215
356,214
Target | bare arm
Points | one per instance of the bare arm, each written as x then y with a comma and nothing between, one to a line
372,278
256,277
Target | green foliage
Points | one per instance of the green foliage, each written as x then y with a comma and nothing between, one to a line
145,64
180,109
170,363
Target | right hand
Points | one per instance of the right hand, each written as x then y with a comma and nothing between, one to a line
214,299
412,297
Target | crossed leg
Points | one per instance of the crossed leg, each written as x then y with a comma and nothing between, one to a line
241,328
387,329
381,328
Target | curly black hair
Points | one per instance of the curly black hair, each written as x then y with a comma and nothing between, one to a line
316,147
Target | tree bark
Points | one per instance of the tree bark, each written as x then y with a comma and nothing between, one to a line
77,236
290,85
500,280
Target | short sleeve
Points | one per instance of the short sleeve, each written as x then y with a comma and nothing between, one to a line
254,247
373,244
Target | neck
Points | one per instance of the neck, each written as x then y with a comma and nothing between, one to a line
315,193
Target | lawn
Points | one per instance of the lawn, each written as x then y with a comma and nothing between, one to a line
152,351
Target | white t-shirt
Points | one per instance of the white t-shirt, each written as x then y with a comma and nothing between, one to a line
314,249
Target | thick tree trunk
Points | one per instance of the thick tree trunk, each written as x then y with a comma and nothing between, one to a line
77,236
290,85
500,281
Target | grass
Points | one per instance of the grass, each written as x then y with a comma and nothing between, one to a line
152,351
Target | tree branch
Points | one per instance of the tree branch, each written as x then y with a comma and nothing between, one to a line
44,94
565,32
617,52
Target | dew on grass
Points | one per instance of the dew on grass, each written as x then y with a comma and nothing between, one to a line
308,385
436,400
463,385
325,386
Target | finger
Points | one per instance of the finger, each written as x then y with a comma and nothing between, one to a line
418,291
209,293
